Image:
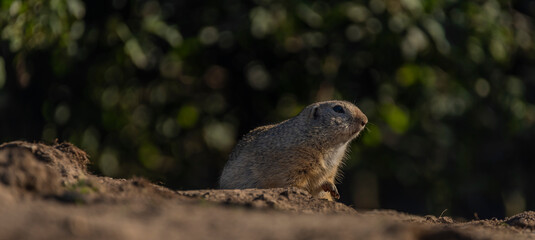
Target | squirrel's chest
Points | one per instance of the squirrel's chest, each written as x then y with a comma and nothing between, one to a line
334,156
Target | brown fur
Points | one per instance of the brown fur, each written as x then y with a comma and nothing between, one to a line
304,151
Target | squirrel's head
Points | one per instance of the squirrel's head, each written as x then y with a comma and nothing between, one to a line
339,121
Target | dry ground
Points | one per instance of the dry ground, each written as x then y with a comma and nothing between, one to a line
47,193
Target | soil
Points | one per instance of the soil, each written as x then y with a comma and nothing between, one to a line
46,192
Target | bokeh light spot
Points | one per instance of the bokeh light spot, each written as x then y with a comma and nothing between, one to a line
187,116
257,76
358,13
133,49
220,136
91,141
110,97
49,133
171,66
62,114
77,8
354,33
142,116
149,156
396,118
109,163
371,135
482,87
374,26
407,75
209,35
414,42
2,72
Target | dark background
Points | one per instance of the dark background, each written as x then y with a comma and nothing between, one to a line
164,89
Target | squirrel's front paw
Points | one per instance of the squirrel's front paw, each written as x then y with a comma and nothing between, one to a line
331,188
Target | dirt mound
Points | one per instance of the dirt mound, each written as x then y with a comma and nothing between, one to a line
60,172
49,188
21,172
69,160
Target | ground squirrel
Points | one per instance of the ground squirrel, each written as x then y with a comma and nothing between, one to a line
304,151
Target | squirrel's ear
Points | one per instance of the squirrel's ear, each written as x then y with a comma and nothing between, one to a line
314,113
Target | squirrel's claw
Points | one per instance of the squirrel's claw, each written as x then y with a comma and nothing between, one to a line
331,188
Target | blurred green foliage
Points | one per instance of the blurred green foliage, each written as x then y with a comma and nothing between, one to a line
164,89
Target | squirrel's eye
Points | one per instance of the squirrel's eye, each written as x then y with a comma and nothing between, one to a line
338,109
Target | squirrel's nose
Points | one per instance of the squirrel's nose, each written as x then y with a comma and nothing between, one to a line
363,120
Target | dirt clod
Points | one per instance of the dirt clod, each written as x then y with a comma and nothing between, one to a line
522,220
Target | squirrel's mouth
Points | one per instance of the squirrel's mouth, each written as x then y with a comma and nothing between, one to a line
356,131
